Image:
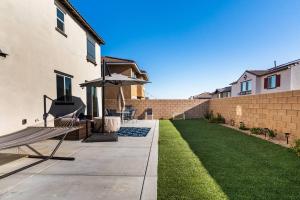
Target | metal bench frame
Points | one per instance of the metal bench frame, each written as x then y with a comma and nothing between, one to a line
40,156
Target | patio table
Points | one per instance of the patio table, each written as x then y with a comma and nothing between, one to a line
112,124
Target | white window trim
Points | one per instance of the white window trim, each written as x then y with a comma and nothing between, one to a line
57,18
269,81
64,77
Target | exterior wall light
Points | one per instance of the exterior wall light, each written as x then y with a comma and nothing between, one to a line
2,54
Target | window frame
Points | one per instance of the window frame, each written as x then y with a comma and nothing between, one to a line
64,98
247,91
62,32
247,86
270,83
91,57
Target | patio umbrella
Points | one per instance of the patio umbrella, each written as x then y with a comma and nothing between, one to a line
111,80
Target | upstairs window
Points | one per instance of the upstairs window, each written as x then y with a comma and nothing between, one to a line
60,20
246,87
64,88
91,50
272,82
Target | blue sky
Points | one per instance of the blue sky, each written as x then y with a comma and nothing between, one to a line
193,46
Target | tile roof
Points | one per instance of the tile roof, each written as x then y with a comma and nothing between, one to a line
204,95
257,72
110,59
114,60
225,89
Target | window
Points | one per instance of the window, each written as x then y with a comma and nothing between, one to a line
60,20
63,88
246,86
91,50
272,82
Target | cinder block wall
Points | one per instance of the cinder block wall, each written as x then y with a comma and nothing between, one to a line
280,111
165,109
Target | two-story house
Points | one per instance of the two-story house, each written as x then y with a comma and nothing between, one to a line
128,68
47,48
204,95
221,93
280,78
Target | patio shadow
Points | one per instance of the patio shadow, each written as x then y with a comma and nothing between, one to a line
244,167
7,158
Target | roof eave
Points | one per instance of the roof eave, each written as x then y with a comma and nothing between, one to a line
83,22
130,63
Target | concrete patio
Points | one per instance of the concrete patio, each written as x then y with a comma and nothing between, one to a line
125,170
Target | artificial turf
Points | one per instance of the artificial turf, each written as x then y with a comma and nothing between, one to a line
199,160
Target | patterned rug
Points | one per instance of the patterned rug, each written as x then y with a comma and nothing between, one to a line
133,132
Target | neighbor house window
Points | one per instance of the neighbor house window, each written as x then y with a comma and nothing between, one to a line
60,20
272,82
91,50
246,86
64,88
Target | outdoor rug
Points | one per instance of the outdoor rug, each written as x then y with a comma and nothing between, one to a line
133,132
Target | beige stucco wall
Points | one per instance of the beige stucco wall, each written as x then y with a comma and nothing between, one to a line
295,77
35,50
141,91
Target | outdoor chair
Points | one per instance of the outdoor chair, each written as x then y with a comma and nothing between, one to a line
149,114
130,115
111,112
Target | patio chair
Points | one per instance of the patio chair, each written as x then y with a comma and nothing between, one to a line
149,114
32,135
130,115
111,112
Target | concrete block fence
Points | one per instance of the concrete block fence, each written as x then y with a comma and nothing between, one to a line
165,109
277,111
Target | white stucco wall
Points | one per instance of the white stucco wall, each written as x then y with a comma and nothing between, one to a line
285,82
295,77
36,49
236,88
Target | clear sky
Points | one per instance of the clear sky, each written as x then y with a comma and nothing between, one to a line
193,46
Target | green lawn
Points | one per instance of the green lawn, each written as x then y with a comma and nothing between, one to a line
198,160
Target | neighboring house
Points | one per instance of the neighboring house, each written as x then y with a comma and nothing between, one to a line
51,50
281,78
204,95
222,93
128,68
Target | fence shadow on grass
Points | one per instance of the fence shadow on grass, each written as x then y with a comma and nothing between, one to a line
245,167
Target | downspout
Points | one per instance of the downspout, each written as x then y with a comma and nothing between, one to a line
103,94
